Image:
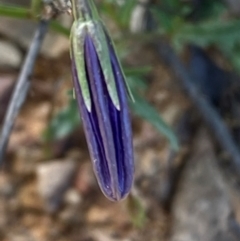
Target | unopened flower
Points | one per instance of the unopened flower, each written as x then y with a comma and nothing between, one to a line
101,93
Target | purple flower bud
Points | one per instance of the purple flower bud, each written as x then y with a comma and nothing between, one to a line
107,127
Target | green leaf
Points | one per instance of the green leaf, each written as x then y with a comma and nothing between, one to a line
143,109
56,26
64,122
139,71
126,11
14,12
225,35
136,83
36,6
163,19
136,210
78,34
101,38
221,33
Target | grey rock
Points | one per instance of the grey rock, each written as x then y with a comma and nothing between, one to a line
7,187
202,207
138,20
72,197
11,56
54,179
234,6
20,234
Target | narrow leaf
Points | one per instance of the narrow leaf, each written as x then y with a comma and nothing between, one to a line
14,12
143,109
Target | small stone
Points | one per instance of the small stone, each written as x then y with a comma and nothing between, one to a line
4,216
138,19
7,188
11,56
28,196
54,178
98,215
72,197
105,235
6,82
20,235
171,113
70,215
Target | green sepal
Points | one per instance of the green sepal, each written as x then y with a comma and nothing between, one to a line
78,33
93,9
100,42
84,10
120,66
87,19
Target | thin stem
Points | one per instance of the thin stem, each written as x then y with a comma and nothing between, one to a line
22,86
84,10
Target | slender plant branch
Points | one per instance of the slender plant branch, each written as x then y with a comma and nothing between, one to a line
22,86
208,112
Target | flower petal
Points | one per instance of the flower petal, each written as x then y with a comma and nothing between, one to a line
107,129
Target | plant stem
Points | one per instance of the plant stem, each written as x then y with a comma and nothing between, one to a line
22,86
208,112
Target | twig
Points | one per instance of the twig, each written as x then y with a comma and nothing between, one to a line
22,86
208,112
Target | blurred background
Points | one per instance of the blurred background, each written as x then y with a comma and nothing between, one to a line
182,61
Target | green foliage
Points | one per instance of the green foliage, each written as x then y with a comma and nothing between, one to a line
225,35
136,210
207,24
14,12
57,27
63,122
36,6
120,13
220,33
125,11
143,109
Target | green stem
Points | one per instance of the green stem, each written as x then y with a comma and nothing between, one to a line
15,12
84,10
